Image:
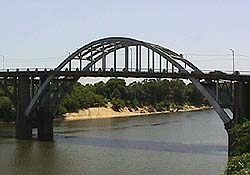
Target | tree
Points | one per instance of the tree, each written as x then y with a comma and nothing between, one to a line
156,93
115,84
7,112
100,88
194,97
117,104
177,92
239,164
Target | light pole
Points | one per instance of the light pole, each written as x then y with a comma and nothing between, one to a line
233,54
69,61
3,61
131,52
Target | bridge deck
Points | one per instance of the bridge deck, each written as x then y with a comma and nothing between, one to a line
211,76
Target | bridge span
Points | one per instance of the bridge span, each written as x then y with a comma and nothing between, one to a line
110,73
37,93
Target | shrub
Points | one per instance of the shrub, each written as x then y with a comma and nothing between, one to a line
242,138
160,106
151,108
61,110
117,104
7,112
239,165
71,104
134,104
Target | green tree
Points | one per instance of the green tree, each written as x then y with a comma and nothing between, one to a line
239,164
241,133
177,92
7,112
100,88
194,97
159,94
118,85
117,104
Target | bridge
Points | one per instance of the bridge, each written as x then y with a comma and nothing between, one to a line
37,93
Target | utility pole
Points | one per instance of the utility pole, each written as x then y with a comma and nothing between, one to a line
69,61
131,53
233,54
3,61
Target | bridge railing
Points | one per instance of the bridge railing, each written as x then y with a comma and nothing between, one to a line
96,70
25,69
144,70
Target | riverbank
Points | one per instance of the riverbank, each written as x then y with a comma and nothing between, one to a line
108,112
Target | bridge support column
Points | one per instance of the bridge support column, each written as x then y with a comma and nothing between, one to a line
243,105
23,123
230,141
126,59
241,110
45,118
241,102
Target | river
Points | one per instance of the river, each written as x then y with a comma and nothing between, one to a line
188,143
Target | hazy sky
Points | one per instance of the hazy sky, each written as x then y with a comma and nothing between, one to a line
38,33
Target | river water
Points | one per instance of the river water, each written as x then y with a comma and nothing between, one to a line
188,143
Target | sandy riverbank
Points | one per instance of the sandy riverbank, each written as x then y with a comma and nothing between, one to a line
108,112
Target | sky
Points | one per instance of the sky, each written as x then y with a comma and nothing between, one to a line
40,33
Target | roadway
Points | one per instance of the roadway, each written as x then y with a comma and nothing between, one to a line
75,73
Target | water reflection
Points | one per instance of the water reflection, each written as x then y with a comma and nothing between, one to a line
30,157
185,143
147,145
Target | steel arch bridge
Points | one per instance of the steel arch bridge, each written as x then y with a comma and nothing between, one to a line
97,51
37,94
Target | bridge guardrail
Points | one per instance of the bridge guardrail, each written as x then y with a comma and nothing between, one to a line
206,71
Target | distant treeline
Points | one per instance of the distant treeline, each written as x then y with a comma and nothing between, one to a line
156,94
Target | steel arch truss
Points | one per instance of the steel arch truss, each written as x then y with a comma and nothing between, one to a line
97,56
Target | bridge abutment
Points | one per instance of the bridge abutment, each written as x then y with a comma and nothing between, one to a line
23,123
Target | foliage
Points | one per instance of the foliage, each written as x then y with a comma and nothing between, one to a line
194,97
162,106
61,110
241,135
83,97
177,92
134,104
156,94
151,108
240,163
71,104
7,112
117,104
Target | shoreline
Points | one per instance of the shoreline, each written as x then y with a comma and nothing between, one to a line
108,113
79,116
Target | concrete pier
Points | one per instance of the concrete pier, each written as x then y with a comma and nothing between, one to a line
45,118
23,123
241,110
244,102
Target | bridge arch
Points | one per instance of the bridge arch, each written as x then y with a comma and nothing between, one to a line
96,51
